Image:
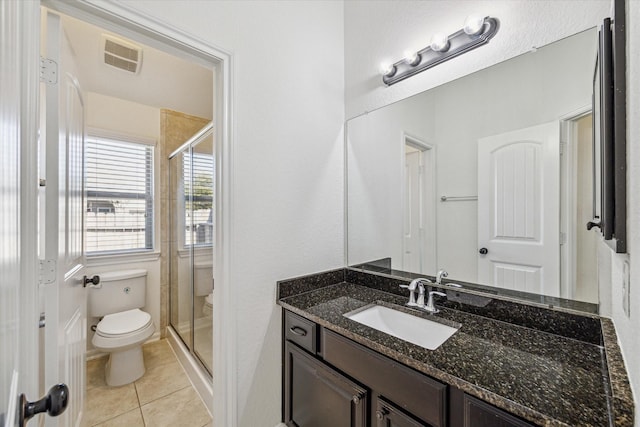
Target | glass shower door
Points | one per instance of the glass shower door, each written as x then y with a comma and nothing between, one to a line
202,244
192,244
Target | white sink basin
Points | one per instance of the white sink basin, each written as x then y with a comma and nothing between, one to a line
416,330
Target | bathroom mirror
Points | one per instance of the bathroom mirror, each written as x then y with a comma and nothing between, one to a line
488,177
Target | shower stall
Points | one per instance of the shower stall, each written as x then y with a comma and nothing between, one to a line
192,228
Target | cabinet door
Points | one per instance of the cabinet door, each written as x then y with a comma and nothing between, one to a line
318,396
480,414
388,415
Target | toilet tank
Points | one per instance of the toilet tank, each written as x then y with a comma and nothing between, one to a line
121,290
202,278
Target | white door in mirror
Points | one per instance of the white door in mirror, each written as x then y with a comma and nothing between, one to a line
519,210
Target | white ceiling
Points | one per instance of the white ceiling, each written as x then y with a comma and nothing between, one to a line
164,81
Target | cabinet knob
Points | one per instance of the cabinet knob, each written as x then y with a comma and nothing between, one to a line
483,251
357,398
381,414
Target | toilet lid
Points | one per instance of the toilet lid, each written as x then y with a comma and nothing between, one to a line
123,323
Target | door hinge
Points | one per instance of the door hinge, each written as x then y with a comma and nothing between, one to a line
43,182
563,238
48,272
41,322
563,146
48,71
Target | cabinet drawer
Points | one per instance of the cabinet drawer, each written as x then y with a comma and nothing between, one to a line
412,391
300,331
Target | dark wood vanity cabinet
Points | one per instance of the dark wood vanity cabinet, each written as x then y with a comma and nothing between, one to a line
331,381
318,396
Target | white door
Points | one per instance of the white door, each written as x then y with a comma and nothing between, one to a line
18,184
413,251
63,294
519,210
419,224
10,379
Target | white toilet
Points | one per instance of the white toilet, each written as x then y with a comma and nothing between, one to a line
203,284
123,327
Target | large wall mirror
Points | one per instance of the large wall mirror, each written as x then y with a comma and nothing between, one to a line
489,177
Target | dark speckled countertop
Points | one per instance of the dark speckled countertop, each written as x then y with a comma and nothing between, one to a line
548,379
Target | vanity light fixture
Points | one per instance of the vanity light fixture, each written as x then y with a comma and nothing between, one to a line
439,42
476,32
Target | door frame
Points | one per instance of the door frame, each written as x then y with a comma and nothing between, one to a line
427,162
129,20
568,203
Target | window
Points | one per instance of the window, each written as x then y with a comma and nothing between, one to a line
198,179
119,184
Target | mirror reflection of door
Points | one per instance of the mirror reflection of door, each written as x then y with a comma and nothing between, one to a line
519,209
419,234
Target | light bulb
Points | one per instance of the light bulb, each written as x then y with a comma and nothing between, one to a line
412,57
439,42
387,70
473,25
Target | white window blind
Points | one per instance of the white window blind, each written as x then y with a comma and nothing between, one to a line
198,178
119,184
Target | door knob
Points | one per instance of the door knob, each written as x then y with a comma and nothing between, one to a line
592,224
54,404
483,251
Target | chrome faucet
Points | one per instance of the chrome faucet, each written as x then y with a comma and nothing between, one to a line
440,275
431,307
416,283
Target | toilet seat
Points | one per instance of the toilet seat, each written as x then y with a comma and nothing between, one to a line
123,323
135,327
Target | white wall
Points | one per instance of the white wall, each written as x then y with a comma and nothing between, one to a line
118,115
288,209
381,31
131,119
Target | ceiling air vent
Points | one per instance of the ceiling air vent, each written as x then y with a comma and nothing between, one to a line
121,54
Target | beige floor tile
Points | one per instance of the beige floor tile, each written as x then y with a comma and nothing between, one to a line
161,381
180,409
132,418
95,372
157,353
104,403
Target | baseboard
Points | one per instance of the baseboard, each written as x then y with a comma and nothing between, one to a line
200,380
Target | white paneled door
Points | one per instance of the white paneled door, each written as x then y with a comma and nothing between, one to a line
62,290
519,210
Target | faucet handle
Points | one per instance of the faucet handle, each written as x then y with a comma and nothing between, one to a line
441,273
431,307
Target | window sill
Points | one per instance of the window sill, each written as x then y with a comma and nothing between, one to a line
124,258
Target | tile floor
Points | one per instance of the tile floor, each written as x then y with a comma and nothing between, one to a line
162,397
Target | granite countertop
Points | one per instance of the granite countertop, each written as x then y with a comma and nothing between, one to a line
548,379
